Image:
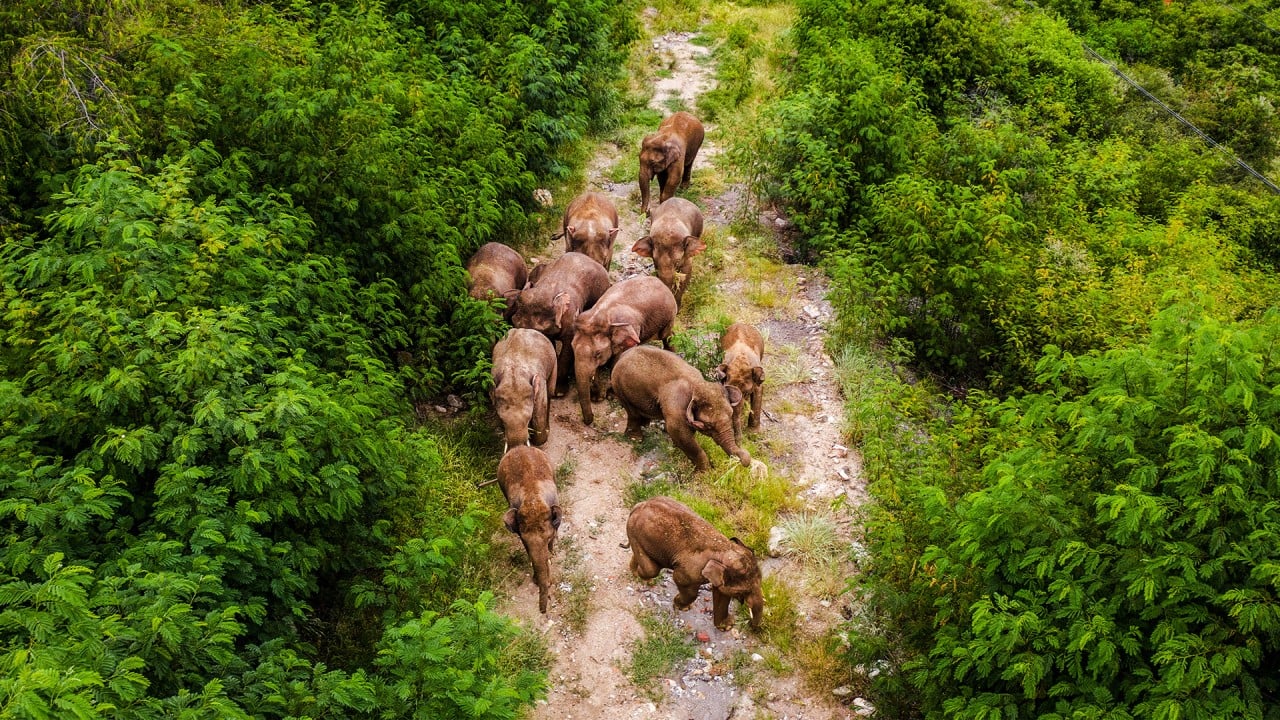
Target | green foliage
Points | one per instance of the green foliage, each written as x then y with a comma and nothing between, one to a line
407,137
1019,203
663,647
220,224
1221,58
452,666
1114,560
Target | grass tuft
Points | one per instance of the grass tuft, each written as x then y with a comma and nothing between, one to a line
663,647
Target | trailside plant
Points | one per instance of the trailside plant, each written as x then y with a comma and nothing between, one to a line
1120,557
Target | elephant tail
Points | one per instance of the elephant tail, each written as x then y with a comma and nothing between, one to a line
626,545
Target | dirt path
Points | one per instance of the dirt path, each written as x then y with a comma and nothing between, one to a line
594,623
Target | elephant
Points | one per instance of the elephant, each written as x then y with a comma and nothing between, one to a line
551,303
665,533
529,484
496,271
652,383
742,368
668,155
591,226
524,371
675,236
631,312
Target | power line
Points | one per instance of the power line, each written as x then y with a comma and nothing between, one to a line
1252,19
1174,113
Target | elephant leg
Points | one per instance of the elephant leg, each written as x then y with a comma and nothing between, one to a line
682,437
564,368
635,420
720,610
671,183
667,332
686,596
738,412
757,407
687,175
643,565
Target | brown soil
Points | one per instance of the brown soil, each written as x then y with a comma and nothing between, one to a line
588,679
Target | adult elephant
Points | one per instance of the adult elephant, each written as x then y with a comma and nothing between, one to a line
668,155
652,383
631,312
551,303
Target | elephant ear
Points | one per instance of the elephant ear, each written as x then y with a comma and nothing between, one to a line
561,306
690,414
733,395
693,245
713,571
540,403
536,273
671,152
511,520
720,373
643,246
555,516
625,335
757,373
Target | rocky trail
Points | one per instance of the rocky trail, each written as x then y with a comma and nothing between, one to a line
595,620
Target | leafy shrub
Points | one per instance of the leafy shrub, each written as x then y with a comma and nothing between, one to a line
1114,558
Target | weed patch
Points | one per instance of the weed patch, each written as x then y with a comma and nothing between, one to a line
663,647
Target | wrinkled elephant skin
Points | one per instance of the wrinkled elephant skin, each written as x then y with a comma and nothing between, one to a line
657,384
528,483
590,226
668,155
664,533
631,312
524,372
675,237
551,303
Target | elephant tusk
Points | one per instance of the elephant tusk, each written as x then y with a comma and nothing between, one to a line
504,447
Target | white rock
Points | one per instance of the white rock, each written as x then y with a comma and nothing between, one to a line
842,691
756,657
776,537
863,707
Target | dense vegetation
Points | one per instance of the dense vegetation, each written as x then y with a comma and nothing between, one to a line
232,240
1090,526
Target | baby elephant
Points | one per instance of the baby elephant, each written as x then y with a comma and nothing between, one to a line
668,154
496,271
665,533
590,227
524,371
652,383
743,352
675,236
631,312
529,485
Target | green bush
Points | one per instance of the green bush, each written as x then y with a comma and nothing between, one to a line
1116,556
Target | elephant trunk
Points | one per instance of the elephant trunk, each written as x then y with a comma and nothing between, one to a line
541,559
755,603
724,438
585,372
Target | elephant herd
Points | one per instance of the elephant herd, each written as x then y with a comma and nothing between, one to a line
569,322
